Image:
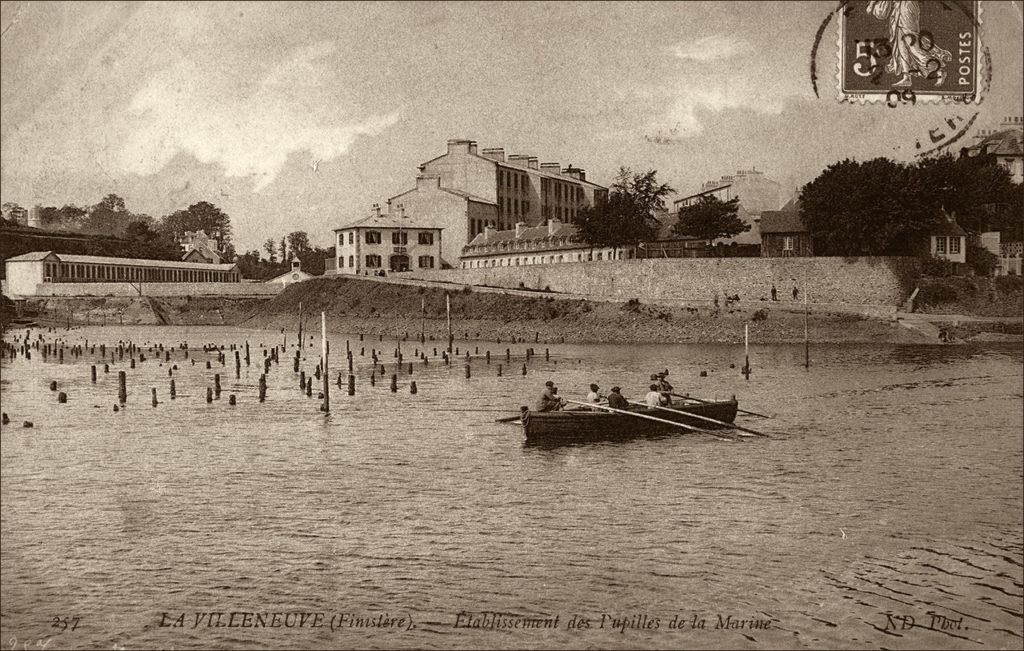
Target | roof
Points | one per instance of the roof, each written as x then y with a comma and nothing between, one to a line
947,227
288,274
36,256
460,193
782,221
1000,143
387,221
539,172
528,234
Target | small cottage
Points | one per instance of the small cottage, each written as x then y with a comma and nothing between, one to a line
783,233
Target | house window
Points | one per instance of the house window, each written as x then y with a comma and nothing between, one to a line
373,237
373,261
940,244
341,262
954,245
399,238
351,261
787,243
426,262
351,237
526,207
515,206
515,182
600,255
426,238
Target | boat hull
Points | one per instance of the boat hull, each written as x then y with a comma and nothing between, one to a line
572,426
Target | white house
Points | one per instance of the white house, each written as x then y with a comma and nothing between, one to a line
387,242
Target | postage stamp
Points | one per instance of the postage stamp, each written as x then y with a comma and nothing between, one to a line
910,51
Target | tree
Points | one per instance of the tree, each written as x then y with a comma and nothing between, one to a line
108,217
271,250
149,242
284,251
643,188
201,216
710,219
877,207
628,215
298,242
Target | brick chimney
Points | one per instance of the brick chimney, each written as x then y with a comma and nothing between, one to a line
519,160
400,211
553,226
461,146
520,227
488,233
532,163
495,153
576,173
554,168
376,210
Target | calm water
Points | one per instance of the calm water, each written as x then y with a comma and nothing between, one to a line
892,483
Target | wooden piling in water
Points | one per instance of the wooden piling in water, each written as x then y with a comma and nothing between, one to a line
351,384
524,369
231,399
309,387
746,350
394,383
209,395
122,387
499,370
92,373
324,352
62,397
412,388
173,390
263,387
216,385
53,385
153,389
302,380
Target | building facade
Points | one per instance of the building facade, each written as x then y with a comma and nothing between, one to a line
783,233
1010,255
391,242
199,247
1004,145
293,275
495,191
948,241
27,272
757,193
552,243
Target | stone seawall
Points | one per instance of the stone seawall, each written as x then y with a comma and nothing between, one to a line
853,281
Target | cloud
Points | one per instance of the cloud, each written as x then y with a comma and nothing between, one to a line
247,123
710,48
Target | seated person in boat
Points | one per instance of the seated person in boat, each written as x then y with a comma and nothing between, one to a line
549,400
654,398
595,396
616,401
665,387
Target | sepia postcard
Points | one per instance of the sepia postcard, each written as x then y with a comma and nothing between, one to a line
512,325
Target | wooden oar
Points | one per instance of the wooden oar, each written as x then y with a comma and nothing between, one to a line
705,418
657,420
507,419
708,402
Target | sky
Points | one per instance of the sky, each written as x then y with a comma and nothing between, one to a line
296,116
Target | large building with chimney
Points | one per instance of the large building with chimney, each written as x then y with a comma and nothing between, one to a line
466,190
552,243
757,193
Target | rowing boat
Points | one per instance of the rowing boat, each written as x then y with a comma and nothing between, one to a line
576,425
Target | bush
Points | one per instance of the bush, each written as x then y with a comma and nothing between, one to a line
938,267
1009,284
937,293
982,261
760,315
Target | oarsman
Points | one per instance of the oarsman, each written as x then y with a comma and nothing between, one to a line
616,401
594,396
549,400
654,397
665,388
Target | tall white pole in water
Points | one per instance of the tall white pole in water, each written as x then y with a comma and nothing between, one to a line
323,354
